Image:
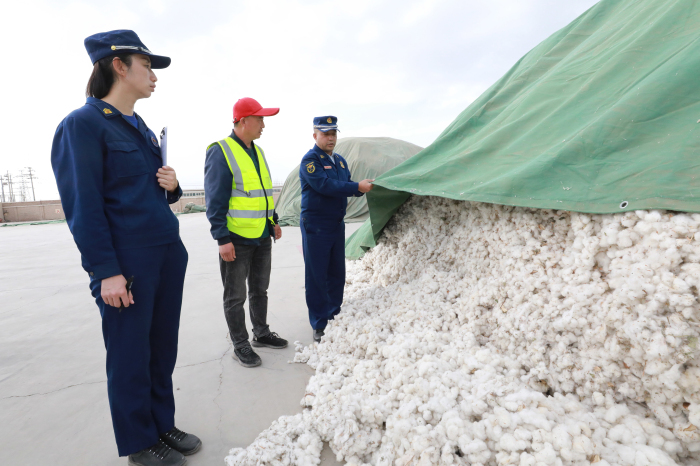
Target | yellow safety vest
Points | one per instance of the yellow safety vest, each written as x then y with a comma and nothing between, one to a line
251,203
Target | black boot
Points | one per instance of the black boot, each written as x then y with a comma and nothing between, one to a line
317,335
183,442
247,357
159,454
271,340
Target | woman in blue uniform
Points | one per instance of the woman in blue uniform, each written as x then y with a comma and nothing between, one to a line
115,192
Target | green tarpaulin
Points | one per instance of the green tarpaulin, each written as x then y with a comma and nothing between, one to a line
601,117
366,157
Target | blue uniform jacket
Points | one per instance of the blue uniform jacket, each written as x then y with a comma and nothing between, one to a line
325,186
106,169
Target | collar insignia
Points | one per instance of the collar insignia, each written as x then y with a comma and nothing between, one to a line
107,111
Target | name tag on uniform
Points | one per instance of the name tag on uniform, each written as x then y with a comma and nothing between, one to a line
327,167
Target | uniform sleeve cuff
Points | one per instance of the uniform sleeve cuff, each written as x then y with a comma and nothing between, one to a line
174,197
224,240
100,272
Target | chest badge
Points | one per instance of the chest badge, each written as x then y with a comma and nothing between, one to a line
310,167
153,140
341,165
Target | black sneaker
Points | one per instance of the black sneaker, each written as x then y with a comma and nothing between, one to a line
183,442
317,335
159,454
247,357
272,340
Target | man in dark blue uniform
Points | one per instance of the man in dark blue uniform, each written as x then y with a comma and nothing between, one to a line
325,187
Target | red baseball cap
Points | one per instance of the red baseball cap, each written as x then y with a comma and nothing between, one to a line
247,107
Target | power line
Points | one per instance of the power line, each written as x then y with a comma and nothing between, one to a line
16,189
31,175
6,181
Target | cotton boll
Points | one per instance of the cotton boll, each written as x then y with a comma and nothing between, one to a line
527,459
599,399
615,412
508,442
561,438
546,455
687,432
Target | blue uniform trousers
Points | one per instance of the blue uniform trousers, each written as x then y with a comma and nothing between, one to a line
141,344
323,243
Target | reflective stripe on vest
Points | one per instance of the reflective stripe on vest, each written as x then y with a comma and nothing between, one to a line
246,213
251,203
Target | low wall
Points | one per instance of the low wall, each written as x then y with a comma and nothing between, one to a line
32,211
53,210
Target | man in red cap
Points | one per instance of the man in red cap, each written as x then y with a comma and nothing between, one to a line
242,215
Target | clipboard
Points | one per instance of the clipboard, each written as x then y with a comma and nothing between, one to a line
164,149
164,145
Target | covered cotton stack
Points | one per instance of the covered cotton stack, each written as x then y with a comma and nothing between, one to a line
483,334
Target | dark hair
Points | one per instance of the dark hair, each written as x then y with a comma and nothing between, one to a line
103,75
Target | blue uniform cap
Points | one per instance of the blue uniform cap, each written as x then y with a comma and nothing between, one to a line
326,123
107,44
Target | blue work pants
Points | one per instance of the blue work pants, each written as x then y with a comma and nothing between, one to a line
141,343
323,244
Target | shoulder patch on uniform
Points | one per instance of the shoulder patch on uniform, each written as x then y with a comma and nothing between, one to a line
310,167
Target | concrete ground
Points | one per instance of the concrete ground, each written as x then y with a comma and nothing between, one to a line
53,395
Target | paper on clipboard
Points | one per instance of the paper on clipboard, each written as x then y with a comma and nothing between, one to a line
164,145
164,149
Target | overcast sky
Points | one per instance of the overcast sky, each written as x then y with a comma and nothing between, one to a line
402,69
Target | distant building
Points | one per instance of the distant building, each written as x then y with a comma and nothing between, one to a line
193,193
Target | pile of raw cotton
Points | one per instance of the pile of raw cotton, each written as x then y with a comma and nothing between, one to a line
488,335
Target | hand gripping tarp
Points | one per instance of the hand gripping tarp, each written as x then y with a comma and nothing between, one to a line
601,117
366,157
